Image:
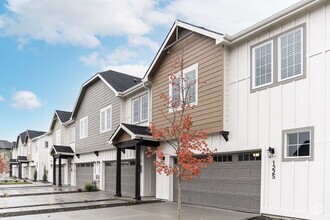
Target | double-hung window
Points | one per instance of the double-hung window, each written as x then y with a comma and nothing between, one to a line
279,59
72,134
106,119
140,109
58,137
263,64
83,128
184,89
290,54
298,144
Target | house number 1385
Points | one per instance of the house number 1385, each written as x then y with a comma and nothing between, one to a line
273,170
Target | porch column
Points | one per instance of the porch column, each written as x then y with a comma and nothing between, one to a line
20,170
137,171
54,171
10,170
118,173
59,171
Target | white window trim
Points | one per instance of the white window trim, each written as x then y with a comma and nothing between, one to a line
139,100
58,137
106,119
285,133
135,100
141,121
86,127
279,75
184,71
72,136
253,64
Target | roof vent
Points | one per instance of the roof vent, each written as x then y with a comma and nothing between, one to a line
135,80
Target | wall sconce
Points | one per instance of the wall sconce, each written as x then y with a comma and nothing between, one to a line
98,162
270,152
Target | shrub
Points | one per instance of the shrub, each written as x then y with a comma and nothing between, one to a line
35,176
89,187
45,176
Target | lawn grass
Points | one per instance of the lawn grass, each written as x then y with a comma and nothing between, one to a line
12,182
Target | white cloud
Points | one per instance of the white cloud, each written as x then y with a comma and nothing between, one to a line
85,23
225,16
131,69
74,22
26,100
143,41
2,99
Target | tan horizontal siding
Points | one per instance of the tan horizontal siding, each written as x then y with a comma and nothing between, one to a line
208,114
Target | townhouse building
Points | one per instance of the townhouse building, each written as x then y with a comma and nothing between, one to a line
265,106
62,145
22,164
106,100
277,102
41,157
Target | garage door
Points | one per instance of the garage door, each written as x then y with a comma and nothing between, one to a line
84,174
127,177
231,182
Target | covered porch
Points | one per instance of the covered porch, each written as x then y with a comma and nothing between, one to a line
131,137
58,153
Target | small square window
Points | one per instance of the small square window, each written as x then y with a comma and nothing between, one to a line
298,144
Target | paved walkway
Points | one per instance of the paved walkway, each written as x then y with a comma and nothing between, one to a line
60,203
158,211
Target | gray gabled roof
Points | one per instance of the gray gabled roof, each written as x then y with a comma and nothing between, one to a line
33,134
139,130
120,81
116,81
5,144
64,116
29,133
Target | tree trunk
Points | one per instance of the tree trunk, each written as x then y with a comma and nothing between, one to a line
179,200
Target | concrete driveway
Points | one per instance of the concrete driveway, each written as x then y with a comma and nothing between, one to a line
158,211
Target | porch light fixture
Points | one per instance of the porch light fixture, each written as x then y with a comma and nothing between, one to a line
270,152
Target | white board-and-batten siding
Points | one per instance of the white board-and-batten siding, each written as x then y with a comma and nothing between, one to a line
256,119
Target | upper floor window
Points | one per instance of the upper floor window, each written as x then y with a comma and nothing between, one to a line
72,134
140,109
263,64
298,144
83,127
279,59
58,137
106,119
290,54
184,89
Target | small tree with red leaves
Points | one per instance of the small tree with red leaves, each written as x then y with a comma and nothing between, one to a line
189,144
3,163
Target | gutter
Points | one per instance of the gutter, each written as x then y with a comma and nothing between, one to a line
130,90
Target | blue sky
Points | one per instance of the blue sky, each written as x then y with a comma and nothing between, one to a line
49,48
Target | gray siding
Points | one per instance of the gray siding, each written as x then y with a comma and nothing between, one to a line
97,96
